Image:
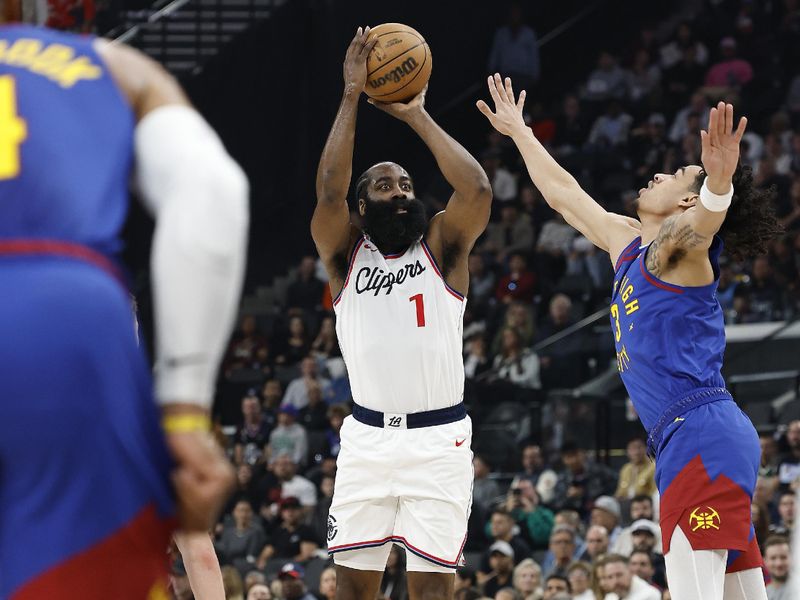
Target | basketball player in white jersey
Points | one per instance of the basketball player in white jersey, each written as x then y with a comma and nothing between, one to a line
404,471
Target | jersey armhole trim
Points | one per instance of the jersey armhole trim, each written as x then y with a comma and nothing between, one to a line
356,248
630,252
438,271
653,279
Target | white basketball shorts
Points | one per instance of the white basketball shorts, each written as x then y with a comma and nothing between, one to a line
412,487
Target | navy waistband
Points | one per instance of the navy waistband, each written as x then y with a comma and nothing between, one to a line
693,400
440,416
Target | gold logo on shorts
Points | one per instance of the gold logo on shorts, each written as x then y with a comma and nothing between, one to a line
708,519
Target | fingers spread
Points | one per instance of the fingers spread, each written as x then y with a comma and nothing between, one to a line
484,108
521,101
501,91
493,91
741,129
509,89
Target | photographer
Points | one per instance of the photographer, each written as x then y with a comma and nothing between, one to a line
535,521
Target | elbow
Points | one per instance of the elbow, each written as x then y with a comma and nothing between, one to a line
483,189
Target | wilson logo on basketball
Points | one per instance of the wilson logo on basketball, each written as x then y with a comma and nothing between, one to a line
406,68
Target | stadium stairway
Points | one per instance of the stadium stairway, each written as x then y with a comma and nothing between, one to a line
183,34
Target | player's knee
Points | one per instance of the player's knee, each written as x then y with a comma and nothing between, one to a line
430,586
352,584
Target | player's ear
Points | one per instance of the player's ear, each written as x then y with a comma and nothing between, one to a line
689,201
362,206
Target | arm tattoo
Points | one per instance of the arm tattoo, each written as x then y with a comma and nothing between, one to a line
671,245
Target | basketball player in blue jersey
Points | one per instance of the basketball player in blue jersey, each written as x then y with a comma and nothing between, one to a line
89,484
404,472
670,339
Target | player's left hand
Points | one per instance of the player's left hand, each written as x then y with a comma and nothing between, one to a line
404,111
720,155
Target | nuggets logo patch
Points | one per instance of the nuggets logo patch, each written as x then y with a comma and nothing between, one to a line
332,528
704,517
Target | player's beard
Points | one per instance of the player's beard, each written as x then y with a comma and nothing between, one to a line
391,231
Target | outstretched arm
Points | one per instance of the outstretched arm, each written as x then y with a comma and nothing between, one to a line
692,232
468,209
608,231
330,225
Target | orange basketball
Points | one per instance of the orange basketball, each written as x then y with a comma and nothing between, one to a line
399,65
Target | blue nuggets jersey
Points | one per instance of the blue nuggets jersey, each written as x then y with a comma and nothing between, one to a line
669,339
65,141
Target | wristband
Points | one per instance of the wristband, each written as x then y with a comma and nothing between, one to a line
715,202
185,423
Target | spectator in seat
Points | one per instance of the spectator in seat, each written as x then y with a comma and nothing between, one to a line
291,539
556,587
314,416
297,391
502,528
534,521
607,81
527,579
641,565
637,476
516,364
326,345
501,566
305,293
777,560
292,585
484,490
582,480
561,552
513,233
596,543
259,591
519,283
481,283
242,540
786,515
579,575
730,72
244,346
515,51
294,345
253,434
288,437
327,584
619,583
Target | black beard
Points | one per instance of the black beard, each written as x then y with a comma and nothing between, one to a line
391,231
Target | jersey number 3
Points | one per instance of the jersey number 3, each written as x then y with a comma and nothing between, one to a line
13,129
420,309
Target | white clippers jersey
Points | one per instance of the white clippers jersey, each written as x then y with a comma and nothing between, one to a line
400,331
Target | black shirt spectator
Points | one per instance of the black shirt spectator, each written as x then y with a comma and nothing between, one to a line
306,291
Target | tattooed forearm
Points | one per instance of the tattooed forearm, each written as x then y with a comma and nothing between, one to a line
671,245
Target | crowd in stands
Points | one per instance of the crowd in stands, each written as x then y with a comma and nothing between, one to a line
563,526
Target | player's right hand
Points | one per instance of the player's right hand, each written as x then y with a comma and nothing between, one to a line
355,62
507,116
203,478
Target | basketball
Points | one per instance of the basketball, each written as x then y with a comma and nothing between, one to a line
399,65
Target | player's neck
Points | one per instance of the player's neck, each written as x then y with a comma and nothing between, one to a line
650,229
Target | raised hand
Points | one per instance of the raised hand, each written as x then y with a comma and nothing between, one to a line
720,147
507,116
403,110
355,62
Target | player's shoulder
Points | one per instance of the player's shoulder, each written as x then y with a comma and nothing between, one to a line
622,232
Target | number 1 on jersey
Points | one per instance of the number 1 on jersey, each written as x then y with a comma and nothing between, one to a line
420,309
13,130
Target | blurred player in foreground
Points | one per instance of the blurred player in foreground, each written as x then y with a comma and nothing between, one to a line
405,467
89,486
670,339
